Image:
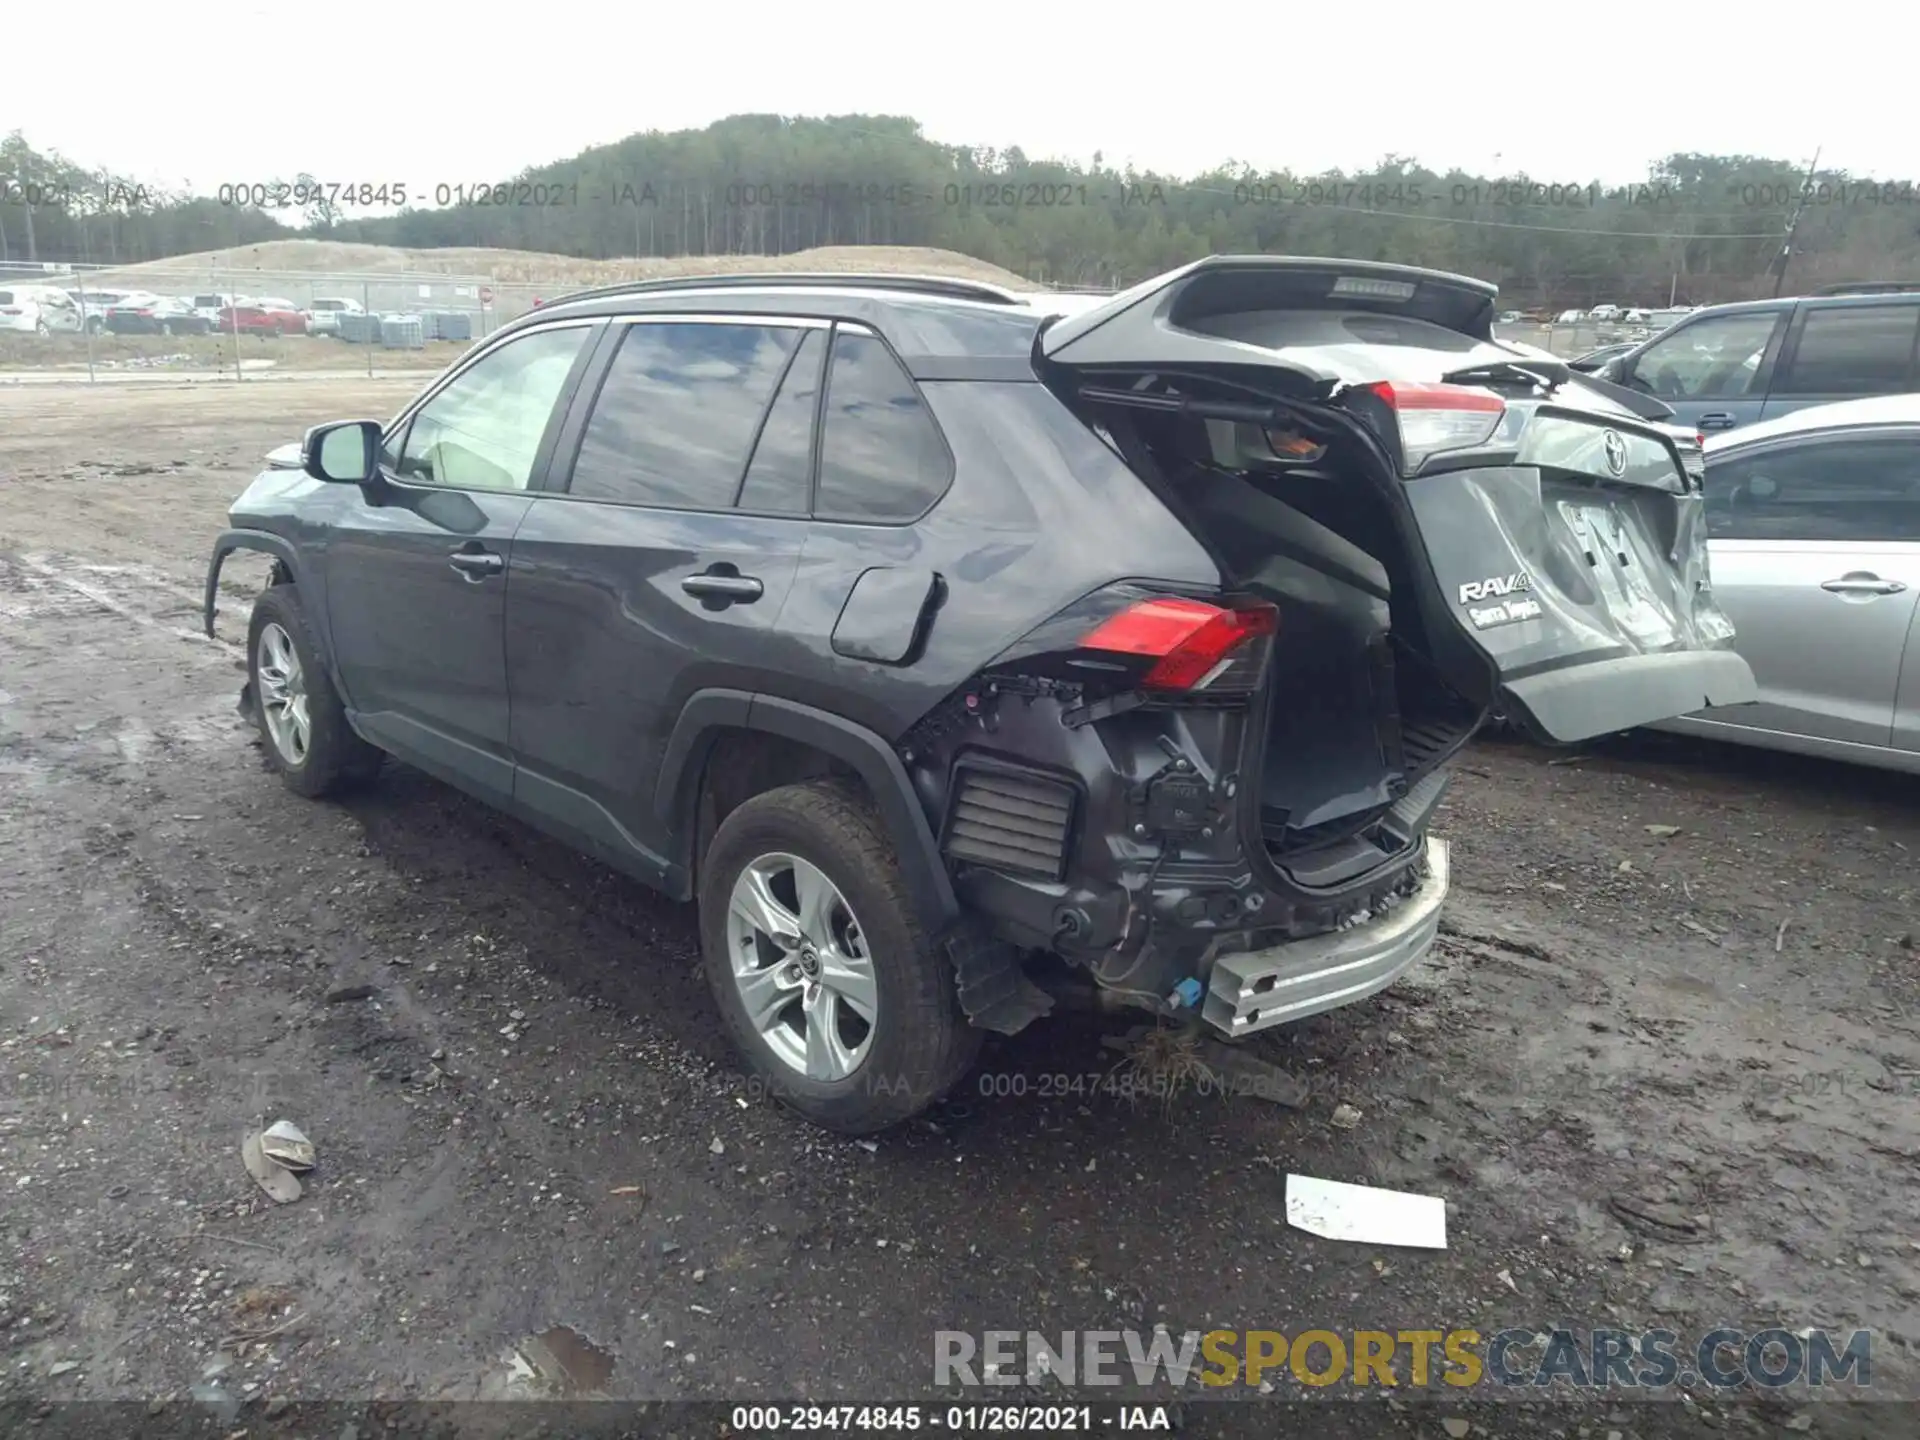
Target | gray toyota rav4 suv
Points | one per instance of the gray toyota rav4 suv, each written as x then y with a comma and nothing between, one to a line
919,630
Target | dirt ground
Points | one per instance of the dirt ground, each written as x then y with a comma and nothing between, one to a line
531,1120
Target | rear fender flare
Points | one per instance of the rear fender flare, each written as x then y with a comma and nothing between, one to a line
709,713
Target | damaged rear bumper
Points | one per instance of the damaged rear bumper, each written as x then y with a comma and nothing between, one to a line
1256,989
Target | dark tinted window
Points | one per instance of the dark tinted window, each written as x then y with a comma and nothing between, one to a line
1818,489
676,417
881,456
782,465
1866,350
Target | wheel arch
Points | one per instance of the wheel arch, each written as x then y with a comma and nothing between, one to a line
287,569
712,719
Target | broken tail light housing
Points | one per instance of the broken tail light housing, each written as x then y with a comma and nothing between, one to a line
1434,419
1190,645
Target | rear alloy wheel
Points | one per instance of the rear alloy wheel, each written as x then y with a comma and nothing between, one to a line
832,991
40,327
800,966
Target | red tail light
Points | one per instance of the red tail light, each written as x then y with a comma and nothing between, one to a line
1436,418
1191,642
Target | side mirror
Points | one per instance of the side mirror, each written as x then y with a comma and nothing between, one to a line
346,452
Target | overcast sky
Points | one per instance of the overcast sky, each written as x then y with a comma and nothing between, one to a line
358,92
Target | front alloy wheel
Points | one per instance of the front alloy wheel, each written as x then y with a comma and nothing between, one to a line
283,694
800,963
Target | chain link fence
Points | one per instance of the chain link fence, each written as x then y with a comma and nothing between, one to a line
373,320
247,321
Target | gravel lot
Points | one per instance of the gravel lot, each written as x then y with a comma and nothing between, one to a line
532,1120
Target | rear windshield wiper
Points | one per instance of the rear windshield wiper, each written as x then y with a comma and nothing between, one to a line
1548,375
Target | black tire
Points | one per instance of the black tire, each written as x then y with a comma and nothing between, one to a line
336,758
921,1042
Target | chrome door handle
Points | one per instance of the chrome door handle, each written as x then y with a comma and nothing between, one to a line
476,564
1862,585
1718,420
738,588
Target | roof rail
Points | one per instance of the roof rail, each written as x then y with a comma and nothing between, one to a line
1871,287
945,287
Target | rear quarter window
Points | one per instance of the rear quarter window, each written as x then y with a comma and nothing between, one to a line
882,458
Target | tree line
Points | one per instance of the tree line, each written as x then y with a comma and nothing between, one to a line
1697,229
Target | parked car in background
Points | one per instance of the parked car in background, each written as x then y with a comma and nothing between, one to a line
1731,365
325,314
1813,524
264,316
130,300
913,627
156,315
38,310
94,304
1604,312
1570,317
210,305
1511,317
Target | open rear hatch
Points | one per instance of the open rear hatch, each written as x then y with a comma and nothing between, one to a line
1473,520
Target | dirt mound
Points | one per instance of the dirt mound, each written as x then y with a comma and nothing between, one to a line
527,267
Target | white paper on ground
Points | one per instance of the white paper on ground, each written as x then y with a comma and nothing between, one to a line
1335,1211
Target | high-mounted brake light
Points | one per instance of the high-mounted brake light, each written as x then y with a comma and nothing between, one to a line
1192,643
1436,418
1372,288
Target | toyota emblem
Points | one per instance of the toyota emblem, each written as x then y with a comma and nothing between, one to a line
1616,449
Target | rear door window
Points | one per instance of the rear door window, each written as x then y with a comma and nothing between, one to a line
1853,350
780,474
882,458
675,420
1713,359
1819,489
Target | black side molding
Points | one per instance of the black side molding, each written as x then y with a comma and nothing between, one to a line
231,540
708,712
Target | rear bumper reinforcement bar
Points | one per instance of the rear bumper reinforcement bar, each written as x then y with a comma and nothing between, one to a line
1256,989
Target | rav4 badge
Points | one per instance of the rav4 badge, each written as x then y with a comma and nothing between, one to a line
1494,586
